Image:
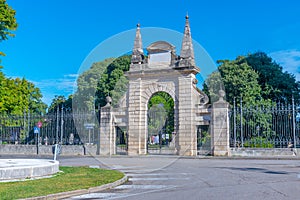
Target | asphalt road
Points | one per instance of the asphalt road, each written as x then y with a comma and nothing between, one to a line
165,177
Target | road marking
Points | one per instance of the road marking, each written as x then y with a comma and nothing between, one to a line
96,195
143,187
120,167
157,174
139,185
156,179
94,166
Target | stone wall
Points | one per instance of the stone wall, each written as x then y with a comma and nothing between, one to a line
262,152
73,150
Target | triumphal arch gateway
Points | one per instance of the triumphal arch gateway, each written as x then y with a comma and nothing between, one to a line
161,70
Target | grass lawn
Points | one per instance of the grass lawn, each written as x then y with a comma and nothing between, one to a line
71,178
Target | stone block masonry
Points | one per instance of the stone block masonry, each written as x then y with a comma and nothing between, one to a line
220,127
147,76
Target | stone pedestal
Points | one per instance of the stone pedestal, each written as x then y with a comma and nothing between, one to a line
220,127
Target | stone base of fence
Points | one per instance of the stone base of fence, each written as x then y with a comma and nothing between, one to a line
47,149
264,152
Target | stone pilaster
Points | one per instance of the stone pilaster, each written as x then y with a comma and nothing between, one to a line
220,127
136,120
186,136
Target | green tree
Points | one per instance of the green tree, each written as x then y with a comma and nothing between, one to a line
18,96
36,105
119,90
253,77
56,103
276,84
102,79
240,80
87,82
8,21
212,86
60,102
112,81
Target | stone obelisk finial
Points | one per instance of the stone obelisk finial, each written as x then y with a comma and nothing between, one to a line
137,52
187,50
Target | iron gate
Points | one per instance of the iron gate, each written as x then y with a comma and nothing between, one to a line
121,141
160,132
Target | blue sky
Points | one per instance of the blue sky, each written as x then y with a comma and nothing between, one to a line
55,36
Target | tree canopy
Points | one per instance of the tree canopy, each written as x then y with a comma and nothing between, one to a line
102,79
255,78
8,22
113,82
240,80
60,102
276,84
87,82
18,96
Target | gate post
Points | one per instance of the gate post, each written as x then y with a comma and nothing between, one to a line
220,127
107,136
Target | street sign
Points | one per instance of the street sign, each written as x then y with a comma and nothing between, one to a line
36,130
89,125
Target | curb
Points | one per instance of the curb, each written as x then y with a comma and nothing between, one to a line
63,195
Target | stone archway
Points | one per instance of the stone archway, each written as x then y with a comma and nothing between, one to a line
181,87
167,88
161,71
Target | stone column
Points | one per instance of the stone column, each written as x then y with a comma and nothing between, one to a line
220,127
107,136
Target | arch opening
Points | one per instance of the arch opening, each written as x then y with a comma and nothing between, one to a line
160,124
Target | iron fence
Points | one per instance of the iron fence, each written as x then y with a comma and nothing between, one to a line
61,127
276,126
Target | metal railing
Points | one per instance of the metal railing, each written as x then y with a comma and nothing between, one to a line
276,126
62,127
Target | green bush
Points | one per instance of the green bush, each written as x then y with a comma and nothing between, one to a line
258,142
